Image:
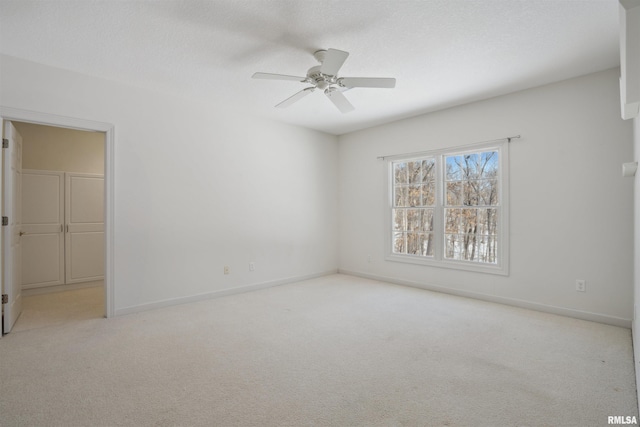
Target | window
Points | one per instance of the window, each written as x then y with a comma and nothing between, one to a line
414,200
449,209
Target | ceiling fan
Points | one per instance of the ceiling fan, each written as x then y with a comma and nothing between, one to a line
325,77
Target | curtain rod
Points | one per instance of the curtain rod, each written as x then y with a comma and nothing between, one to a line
418,153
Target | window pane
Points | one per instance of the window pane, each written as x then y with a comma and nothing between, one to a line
415,172
398,244
415,194
420,244
399,220
429,194
427,220
454,193
414,220
468,247
426,244
400,196
488,192
472,166
460,221
419,220
452,247
452,220
428,170
453,168
471,221
491,251
400,173
490,164
487,221
472,193
413,244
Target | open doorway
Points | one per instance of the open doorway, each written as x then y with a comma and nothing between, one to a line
62,225
13,292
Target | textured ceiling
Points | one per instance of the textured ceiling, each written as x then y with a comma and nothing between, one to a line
442,52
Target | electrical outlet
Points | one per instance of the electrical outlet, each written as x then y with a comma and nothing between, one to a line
581,285
226,269
252,266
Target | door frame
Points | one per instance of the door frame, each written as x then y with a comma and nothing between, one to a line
13,114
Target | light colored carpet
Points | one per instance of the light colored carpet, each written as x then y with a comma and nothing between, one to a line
57,308
333,351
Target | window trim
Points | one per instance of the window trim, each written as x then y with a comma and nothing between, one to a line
438,259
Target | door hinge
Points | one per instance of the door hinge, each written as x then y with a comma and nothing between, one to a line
5,298
5,220
5,143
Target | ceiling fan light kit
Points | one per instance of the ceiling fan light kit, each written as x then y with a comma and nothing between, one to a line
325,77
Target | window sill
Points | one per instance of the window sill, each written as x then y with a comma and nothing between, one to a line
452,265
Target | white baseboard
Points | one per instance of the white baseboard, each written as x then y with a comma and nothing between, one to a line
567,312
219,293
39,290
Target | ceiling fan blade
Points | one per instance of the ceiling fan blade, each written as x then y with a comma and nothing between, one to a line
339,100
296,97
333,60
380,82
270,76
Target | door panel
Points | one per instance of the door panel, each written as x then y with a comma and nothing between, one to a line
87,256
86,199
42,225
42,264
84,240
12,188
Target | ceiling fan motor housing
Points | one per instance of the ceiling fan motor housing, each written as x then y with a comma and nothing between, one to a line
321,81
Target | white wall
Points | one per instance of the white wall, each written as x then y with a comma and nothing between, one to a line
60,149
571,210
197,187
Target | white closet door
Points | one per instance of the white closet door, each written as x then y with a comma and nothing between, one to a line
84,237
42,222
